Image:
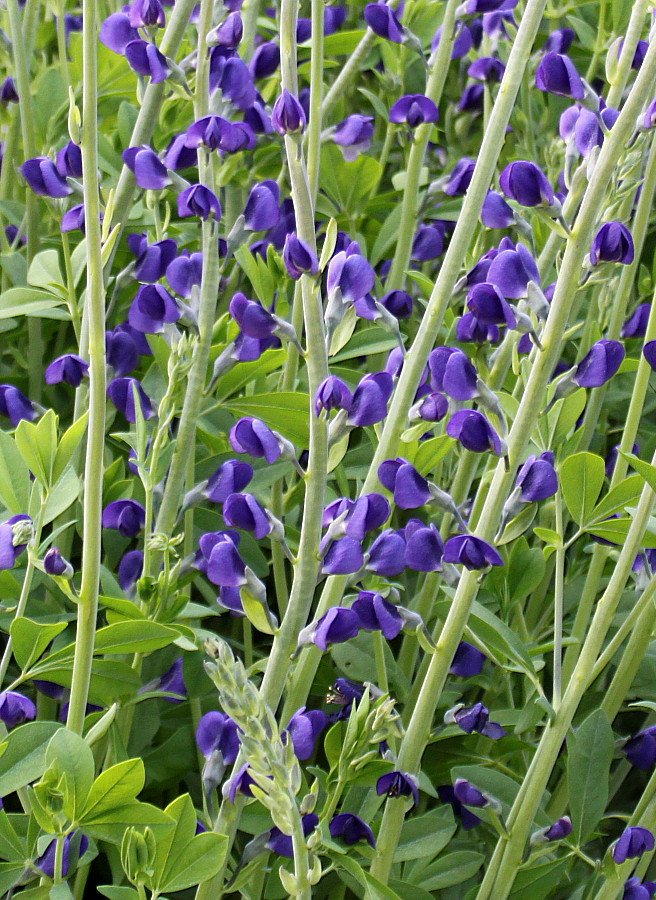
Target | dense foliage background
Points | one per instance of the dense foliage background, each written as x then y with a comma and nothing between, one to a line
327,553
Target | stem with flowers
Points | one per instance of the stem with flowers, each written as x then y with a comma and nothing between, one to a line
95,315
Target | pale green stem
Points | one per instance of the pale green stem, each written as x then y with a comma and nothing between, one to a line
379,656
25,591
633,33
559,590
249,14
95,303
528,410
61,43
59,859
410,208
636,614
634,653
316,96
349,70
301,864
19,45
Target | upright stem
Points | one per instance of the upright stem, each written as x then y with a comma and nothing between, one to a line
633,32
559,590
95,302
316,96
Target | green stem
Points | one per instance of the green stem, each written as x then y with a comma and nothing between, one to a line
301,864
316,96
61,43
409,212
559,591
633,33
59,860
610,704
379,656
95,303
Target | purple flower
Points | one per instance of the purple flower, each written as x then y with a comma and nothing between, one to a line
386,556
377,614
220,559
404,481
265,60
343,557
351,274
73,219
414,109
462,42
511,270
495,212
116,32
472,99
474,432
452,373
559,41
486,68
129,570
152,308
217,732
215,132
469,329
42,176
428,241
197,200
229,33
556,74
460,177
178,155
299,259
423,547
241,782
125,516
171,682
243,511
560,829
634,889
431,408
46,862
8,93
398,303
68,161
648,351
383,21
475,718
471,552
230,73
152,259
55,564
16,709
468,795
351,829
121,352
145,59
447,794
146,12
304,728
148,170
367,513
282,845
632,843
332,393
68,368
467,661
338,625
369,403
261,211
636,325
15,533
537,479
15,405
398,784
612,243
486,302
255,438
185,272
287,116
231,477
121,391
599,364
353,135
526,184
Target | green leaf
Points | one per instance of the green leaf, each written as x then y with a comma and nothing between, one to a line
37,443
69,444
616,530
647,471
366,342
581,480
333,743
23,758
75,760
341,42
256,613
425,836
62,495
110,678
564,416
14,476
118,893
287,413
590,752
549,536
430,452
184,858
624,494
11,845
114,787
44,272
373,889
347,183
137,636
110,826
500,639
537,882
454,868
23,301
30,639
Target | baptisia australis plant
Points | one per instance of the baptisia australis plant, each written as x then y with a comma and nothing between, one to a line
326,467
